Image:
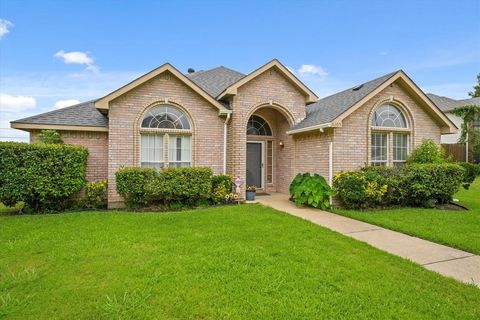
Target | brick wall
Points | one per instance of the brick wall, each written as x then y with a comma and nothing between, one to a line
125,113
352,140
97,145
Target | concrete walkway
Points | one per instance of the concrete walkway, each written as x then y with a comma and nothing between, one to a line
450,262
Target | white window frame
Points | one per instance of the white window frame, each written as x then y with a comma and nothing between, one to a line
173,163
380,162
152,164
407,147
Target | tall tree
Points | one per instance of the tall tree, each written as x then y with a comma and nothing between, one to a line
476,88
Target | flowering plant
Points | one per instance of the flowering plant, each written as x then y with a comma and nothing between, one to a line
252,188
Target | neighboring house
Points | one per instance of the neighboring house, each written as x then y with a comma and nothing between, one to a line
263,127
447,105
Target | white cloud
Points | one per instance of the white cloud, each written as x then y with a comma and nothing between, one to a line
383,53
5,27
10,103
65,103
312,70
77,57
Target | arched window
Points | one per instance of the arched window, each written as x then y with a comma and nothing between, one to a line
165,117
389,128
388,116
159,145
257,126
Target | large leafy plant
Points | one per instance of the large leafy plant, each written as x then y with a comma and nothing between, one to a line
311,190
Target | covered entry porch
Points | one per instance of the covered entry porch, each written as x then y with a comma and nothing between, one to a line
269,150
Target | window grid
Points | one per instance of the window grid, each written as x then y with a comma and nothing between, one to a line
179,151
165,117
152,151
388,116
400,148
269,161
257,126
379,149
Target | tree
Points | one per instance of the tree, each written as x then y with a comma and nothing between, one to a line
476,89
468,132
50,136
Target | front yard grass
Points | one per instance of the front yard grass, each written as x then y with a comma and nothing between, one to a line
235,262
459,229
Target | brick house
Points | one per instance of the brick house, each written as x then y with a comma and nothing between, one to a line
263,127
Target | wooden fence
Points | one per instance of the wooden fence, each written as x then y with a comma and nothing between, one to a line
457,151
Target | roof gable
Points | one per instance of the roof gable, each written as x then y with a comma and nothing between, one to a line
103,103
330,111
232,89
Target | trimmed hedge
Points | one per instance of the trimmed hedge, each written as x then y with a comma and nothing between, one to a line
172,187
421,185
360,189
132,185
185,185
43,176
222,179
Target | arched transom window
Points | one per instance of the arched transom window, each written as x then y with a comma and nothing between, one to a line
389,142
257,126
165,138
165,117
388,116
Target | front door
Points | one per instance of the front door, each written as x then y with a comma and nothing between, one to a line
255,164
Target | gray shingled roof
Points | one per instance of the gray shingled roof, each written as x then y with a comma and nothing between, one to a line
327,109
214,81
448,104
82,114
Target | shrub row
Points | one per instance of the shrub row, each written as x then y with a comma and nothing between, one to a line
412,185
43,176
311,190
141,187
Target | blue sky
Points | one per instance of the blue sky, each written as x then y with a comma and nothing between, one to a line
338,43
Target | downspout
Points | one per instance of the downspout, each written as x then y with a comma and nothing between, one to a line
466,147
225,143
330,163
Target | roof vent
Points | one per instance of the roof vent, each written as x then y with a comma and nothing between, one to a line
357,88
190,70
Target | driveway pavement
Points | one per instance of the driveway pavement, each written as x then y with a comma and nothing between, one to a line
450,262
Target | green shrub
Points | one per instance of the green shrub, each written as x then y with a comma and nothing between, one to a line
186,185
428,184
219,194
50,136
472,170
360,189
428,152
223,179
132,185
96,194
421,185
393,178
43,176
311,190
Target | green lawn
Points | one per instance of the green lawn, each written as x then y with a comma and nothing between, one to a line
460,229
240,262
